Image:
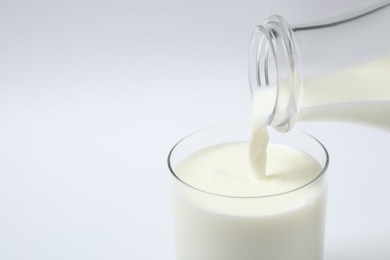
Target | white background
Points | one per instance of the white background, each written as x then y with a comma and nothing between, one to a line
93,94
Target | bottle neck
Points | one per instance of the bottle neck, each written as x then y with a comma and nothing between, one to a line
274,63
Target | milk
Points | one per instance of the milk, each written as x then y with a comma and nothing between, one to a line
358,94
247,200
262,108
225,170
214,227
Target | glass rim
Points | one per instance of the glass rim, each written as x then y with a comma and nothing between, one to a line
319,176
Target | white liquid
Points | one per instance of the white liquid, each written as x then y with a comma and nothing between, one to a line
212,227
249,225
359,94
224,169
263,101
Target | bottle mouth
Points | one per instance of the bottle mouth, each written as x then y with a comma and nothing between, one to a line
274,63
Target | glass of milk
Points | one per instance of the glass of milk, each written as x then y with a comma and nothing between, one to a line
222,211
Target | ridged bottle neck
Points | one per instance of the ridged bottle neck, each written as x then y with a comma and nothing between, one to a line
274,63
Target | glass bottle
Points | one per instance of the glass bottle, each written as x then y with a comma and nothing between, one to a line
337,68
